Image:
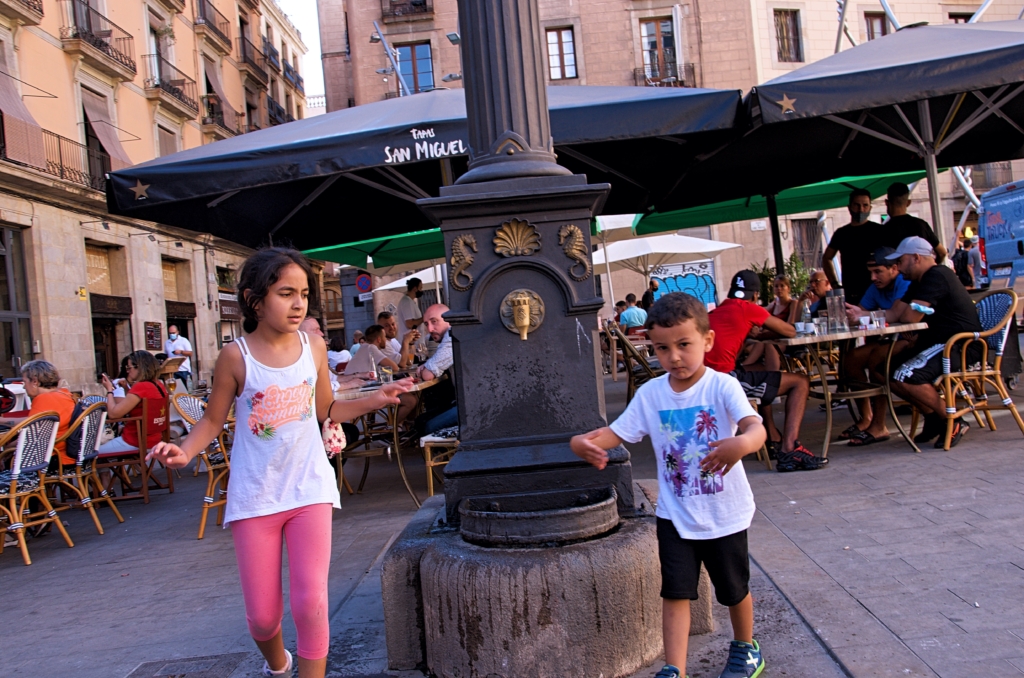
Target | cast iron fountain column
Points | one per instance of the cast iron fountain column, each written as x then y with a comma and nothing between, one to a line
553,569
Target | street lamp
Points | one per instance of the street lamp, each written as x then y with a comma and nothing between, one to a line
454,38
452,77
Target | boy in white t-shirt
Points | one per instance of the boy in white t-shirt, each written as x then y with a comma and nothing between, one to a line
692,414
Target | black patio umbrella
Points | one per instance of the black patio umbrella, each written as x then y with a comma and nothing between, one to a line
356,173
924,97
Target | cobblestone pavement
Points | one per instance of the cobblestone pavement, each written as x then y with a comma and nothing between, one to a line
898,564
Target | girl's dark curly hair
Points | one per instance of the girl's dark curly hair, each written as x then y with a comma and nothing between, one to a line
260,272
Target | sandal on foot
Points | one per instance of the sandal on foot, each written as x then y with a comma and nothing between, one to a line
864,438
849,432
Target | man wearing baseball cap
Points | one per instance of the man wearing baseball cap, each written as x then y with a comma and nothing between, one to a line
937,298
887,287
732,321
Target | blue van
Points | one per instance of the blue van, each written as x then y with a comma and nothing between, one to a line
1001,234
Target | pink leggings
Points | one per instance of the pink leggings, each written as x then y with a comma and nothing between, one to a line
258,544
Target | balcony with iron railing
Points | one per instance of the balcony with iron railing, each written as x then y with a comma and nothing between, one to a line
75,162
65,159
991,175
300,84
172,88
218,119
275,112
28,12
212,25
252,62
406,10
273,56
667,74
100,42
289,74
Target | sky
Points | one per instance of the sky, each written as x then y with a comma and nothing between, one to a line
303,14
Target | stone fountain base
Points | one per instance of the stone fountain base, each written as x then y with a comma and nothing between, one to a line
587,608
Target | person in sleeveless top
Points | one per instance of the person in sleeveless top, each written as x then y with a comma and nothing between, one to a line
282,487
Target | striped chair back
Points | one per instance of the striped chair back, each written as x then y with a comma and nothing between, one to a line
993,309
191,409
93,420
92,400
35,443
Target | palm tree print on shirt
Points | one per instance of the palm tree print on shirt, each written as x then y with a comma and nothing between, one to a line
688,434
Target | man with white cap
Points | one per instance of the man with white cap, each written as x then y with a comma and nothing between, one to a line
936,297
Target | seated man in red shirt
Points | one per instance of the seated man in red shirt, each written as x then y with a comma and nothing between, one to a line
731,322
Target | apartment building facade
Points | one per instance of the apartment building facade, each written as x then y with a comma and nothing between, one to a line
726,44
87,86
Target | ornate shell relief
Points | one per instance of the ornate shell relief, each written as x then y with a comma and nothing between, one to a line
516,238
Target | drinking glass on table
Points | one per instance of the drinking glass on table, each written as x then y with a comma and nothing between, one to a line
172,385
878,318
386,374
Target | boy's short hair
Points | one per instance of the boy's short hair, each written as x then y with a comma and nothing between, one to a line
676,307
372,332
620,304
630,298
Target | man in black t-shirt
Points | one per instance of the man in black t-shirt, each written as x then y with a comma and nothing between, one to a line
854,243
901,225
933,288
648,299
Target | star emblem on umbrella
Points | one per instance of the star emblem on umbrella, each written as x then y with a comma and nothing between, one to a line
787,104
139,189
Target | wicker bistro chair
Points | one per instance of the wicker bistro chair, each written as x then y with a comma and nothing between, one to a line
125,466
995,309
372,442
84,436
638,370
216,458
33,446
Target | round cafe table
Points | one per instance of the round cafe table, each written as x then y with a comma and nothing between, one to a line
391,412
816,344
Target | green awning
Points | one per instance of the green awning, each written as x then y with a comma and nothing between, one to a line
390,251
810,198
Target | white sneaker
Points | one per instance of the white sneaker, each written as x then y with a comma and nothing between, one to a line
286,671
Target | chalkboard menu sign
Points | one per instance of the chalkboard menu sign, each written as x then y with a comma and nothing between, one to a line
154,337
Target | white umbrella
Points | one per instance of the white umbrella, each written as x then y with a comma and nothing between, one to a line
644,254
429,276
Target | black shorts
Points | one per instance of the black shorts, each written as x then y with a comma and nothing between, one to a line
725,558
924,367
762,386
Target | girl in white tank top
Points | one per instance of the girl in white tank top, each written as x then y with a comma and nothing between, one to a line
281,485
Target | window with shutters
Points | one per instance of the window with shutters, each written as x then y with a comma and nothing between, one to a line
807,241
561,54
787,36
168,141
875,24
97,265
170,280
658,42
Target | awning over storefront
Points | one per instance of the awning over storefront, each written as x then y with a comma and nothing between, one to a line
356,173
23,138
228,111
183,310
99,115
